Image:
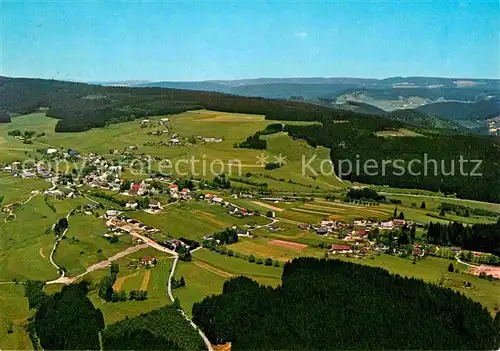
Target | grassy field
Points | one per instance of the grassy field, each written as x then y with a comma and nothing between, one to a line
156,279
200,283
193,220
15,190
236,266
263,248
85,244
208,271
24,246
13,315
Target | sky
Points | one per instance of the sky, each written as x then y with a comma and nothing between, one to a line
188,41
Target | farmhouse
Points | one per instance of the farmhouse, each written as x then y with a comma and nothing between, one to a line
173,188
336,248
112,213
217,200
131,205
386,225
54,193
322,231
399,222
155,205
148,261
242,232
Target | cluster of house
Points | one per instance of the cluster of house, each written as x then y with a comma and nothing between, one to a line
329,227
232,209
148,261
174,244
119,223
31,172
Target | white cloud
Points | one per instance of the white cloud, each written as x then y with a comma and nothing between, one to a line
301,34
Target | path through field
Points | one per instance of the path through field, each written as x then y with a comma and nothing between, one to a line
271,207
212,269
99,265
145,280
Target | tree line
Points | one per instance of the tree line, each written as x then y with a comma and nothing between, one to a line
477,237
325,304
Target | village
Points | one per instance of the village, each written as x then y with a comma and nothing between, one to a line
97,175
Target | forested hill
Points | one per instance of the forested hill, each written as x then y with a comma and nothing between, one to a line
82,106
332,304
454,110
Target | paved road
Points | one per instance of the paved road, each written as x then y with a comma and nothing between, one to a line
171,296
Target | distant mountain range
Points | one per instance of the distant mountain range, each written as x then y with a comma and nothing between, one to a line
433,98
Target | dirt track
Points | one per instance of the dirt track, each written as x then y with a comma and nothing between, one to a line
145,280
271,207
212,269
287,244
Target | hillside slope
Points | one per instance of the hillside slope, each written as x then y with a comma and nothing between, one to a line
454,110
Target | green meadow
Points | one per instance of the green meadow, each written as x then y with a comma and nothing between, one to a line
13,318
24,245
85,244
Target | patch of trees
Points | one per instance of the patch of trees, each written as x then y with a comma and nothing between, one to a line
272,129
4,117
185,183
33,291
331,302
61,226
138,295
364,194
178,283
253,142
193,244
106,291
67,320
221,182
478,237
48,203
272,165
184,253
464,211
161,329
226,236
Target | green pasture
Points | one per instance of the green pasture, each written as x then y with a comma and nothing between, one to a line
14,315
85,244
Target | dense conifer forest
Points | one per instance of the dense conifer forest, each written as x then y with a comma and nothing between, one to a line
332,304
161,329
68,320
478,237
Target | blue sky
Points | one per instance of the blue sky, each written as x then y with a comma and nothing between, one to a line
98,41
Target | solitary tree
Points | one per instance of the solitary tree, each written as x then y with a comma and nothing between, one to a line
422,205
451,268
